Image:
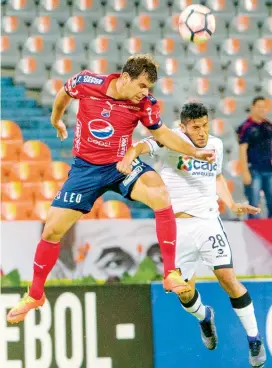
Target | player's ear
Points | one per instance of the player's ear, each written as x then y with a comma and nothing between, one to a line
126,78
183,127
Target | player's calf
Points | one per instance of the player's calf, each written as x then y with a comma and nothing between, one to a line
192,303
243,307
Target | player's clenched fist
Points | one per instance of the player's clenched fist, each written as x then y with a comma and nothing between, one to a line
206,155
61,130
124,167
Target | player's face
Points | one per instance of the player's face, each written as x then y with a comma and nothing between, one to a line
259,110
197,130
135,89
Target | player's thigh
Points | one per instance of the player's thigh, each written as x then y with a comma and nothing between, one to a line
58,222
213,244
187,255
150,189
83,186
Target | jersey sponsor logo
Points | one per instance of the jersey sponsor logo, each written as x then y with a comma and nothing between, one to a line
123,143
77,135
100,129
197,167
89,79
132,176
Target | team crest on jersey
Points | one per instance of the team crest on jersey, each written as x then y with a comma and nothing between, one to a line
100,129
105,113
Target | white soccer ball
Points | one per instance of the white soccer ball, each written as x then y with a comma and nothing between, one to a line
196,24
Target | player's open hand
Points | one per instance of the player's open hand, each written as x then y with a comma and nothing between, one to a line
205,154
241,209
61,130
124,167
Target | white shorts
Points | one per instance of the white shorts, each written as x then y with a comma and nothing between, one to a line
201,239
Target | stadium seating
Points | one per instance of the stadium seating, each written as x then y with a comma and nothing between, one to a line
46,27
57,9
15,28
44,42
10,53
24,9
39,48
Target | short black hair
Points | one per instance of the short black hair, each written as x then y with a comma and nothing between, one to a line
141,64
256,99
192,111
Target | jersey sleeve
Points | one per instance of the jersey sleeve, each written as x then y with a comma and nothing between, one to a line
154,145
81,84
219,157
244,135
151,117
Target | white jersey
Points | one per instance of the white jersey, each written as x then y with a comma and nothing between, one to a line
191,183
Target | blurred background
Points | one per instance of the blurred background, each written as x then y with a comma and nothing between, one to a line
43,43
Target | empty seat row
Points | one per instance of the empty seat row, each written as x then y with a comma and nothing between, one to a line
60,9
143,25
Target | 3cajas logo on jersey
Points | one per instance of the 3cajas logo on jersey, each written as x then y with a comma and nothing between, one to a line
186,163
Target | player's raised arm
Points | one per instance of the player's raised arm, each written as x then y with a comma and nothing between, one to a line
172,141
62,100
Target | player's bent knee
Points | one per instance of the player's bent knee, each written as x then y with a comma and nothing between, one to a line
159,197
53,232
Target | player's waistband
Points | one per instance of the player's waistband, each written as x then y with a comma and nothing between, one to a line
183,215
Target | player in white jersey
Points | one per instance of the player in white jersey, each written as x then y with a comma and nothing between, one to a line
193,186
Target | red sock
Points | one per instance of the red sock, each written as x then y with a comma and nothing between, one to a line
45,259
167,233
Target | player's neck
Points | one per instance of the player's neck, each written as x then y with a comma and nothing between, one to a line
256,119
112,90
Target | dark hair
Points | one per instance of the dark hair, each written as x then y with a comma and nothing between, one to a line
141,64
256,99
191,111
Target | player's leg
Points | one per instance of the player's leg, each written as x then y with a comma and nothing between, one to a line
252,191
267,188
150,190
216,253
76,197
243,307
58,222
187,256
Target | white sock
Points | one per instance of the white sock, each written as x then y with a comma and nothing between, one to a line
244,309
195,307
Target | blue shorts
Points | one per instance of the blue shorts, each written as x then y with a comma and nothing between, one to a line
86,182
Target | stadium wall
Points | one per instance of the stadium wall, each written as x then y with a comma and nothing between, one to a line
128,326
106,249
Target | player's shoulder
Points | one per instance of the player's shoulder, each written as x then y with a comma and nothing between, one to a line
150,101
89,78
215,141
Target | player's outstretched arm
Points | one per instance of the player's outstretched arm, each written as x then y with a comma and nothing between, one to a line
62,100
224,194
172,141
133,152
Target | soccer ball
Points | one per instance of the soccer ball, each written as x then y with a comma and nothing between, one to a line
196,23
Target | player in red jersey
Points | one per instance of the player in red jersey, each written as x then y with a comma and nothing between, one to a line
110,107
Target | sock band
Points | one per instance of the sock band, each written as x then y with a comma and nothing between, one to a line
191,302
241,302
